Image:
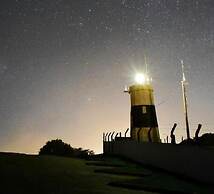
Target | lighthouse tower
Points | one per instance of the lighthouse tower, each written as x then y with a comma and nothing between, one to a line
143,119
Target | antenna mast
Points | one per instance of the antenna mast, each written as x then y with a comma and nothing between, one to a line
146,64
183,84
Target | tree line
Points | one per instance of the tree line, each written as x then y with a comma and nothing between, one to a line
59,148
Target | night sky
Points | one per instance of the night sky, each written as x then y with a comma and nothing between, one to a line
64,65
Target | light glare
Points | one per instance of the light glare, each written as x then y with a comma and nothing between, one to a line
140,78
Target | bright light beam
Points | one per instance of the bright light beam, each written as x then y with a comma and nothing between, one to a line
140,78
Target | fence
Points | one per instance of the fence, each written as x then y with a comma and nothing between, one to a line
191,161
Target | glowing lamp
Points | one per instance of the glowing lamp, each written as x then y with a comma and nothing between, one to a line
141,78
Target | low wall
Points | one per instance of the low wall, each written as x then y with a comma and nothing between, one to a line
192,161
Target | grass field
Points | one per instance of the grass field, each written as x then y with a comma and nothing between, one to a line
26,174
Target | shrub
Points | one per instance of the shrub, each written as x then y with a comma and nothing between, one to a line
59,148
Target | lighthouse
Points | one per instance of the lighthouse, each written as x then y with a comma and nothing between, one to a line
143,119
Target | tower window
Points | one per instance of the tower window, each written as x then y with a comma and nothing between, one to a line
144,109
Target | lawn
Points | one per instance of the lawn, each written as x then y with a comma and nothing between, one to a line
25,174
32,174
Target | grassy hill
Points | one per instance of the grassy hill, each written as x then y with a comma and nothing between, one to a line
24,174
53,175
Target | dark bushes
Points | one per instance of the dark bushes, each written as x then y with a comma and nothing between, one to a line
206,139
59,148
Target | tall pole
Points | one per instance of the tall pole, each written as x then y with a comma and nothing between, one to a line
183,84
146,64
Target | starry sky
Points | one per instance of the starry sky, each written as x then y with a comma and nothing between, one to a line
64,65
